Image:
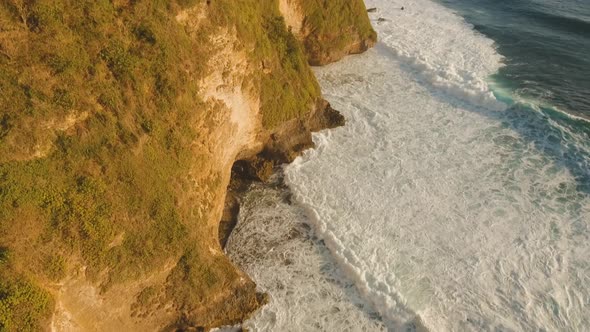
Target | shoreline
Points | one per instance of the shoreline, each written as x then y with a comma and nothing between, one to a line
125,230
275,245
284,145
233,209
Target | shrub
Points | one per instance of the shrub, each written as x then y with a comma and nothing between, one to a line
22,305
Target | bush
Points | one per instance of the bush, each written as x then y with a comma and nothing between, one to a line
22,305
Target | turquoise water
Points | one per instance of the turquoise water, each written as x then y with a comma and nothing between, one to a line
546,50
546,45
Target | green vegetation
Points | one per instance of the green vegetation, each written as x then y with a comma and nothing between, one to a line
105,192
95,182
289,89
21,303
192,272
99,112
294,91
334,25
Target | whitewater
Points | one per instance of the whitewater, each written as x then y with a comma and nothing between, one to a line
442,205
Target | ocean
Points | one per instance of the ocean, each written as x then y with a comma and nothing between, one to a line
456,198
546,48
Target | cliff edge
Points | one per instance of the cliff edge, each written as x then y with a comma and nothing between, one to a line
120,123
329,30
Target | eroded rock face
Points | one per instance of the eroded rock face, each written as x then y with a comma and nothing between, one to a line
234,132
331,30
235,129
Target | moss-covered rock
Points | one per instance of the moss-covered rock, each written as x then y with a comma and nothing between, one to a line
330,30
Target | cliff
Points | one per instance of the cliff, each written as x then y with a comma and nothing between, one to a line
120,123
329,30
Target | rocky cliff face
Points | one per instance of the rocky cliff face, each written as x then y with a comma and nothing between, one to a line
120,124
329,30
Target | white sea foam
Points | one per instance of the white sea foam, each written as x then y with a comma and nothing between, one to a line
274,245
435,204
444,209
440,47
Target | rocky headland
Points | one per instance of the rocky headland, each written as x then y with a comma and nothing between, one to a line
120,127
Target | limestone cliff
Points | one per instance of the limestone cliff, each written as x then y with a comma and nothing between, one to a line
119,126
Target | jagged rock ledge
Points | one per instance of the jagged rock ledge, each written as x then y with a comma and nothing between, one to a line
283,146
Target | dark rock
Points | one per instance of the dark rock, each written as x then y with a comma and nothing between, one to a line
229,219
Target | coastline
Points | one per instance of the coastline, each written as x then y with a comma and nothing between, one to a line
278,141
275,245
284,145
275,185
123,231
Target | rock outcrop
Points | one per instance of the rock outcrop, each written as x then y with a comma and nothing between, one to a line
329,30
121,123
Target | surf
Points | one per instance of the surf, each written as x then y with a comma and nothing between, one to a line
444,203
448,202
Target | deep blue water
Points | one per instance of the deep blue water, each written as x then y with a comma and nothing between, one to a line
546,45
